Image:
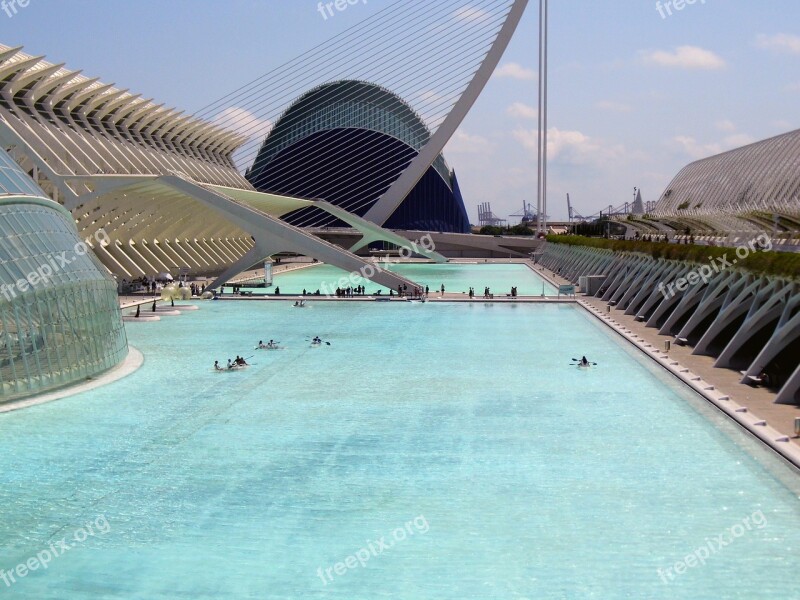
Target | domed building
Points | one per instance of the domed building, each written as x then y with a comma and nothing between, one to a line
752,188
346,142
59,312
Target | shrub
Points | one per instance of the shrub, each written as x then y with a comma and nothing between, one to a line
783,264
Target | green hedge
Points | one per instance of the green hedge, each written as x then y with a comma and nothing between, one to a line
784,264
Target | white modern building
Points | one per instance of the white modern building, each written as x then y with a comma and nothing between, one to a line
162,185
741,192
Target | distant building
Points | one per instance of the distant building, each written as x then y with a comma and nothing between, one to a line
638,205
739,189
346,142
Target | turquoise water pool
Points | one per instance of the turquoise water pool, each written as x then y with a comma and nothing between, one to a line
512,474
456,277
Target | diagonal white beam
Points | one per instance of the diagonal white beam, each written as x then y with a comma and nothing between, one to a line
397,192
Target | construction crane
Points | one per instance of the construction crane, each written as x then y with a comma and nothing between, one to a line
573,214
623,209
486,217
528,215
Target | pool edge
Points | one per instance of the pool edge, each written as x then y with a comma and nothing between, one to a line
775,440
129,365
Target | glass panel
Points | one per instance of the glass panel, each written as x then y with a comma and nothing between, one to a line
14,181
59,315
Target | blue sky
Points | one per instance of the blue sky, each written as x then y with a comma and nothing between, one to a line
634,96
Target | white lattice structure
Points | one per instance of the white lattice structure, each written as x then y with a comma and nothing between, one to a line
748,189
162,185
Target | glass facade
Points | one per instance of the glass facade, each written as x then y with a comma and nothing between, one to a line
346,142
353,105
13,181
59,313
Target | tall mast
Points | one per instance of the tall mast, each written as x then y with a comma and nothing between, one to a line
541,193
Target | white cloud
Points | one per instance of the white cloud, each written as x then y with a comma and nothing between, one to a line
694,149
793,87
243,122
576,147
683,57
527,137
725,125
520,110
429,95
515,71
737,140
519,177
464,143
472,14
573,143
609,105
429,100
570,147
779,42
697,150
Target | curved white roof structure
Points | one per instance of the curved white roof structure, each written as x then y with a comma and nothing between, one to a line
740,189
162,185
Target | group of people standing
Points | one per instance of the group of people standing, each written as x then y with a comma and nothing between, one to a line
487,292
349,292
416,292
